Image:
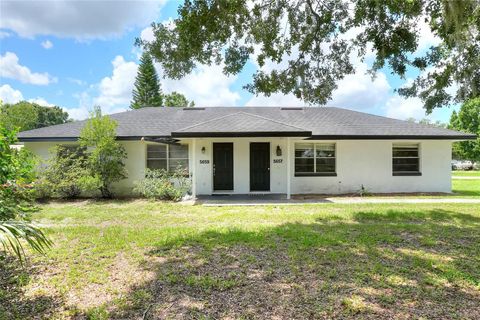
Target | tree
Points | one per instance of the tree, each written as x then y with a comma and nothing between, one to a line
105,155
147,92
304,47
467,120
26,115
16,172
176,99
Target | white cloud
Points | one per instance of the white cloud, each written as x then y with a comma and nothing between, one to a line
147,34
77,81
47,44
206,85
276,99
401,108
41,101
10,95
75,18
77,113
116,90
10,68
4,34
426,38
359,91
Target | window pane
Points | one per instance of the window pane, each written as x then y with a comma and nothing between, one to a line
181,164
325,164
325,150
304,164
405,152
405,164
178,151
156,151
157,164
405,158
304,150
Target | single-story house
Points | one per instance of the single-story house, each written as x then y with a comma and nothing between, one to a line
279,150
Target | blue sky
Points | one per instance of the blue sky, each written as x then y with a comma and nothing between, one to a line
77,54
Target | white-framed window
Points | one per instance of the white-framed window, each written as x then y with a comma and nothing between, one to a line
406,159
315,159
167,156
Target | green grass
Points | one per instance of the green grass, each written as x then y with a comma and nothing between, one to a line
466,173
121,259
468,188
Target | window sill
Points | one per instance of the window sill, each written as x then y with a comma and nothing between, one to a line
316,174
406,174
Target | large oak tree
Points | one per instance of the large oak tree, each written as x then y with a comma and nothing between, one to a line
315,41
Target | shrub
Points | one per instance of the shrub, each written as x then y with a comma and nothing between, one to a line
65,173
16,202
105,155
160,184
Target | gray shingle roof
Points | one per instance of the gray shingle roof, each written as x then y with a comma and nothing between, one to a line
322,122
241,124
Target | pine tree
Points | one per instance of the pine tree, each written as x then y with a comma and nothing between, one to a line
147,92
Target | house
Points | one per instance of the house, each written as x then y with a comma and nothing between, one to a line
241,150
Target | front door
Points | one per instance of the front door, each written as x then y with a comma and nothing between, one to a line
223,166
259,166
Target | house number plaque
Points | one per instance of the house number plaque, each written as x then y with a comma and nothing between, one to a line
204,161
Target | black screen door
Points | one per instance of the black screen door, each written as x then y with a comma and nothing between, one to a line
223,166
259,166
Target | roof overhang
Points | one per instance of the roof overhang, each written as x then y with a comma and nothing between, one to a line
303,134
392,137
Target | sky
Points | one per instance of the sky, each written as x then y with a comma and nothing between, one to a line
78,54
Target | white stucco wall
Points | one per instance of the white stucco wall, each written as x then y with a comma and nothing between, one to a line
367,162
135,162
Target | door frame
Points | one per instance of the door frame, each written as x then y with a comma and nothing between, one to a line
222,191
269,167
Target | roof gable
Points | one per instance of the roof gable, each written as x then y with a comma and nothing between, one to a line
241,124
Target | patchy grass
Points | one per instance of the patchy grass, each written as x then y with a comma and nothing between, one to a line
124,259
463,187
471,173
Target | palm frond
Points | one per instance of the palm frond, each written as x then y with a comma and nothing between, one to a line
12,232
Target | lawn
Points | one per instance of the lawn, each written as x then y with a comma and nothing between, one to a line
138,259
466,188
466,173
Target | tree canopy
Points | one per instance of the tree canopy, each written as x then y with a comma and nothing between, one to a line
147,91
176,99
26,115
467,120
311,44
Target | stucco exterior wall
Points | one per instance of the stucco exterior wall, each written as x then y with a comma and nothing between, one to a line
369,163
135,162
358,162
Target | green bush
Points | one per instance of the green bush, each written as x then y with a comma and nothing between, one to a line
163,185
16,201
67,175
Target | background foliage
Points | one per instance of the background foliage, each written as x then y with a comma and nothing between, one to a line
26,115
311,44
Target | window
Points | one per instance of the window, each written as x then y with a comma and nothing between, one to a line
406,160
315,159
168,157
